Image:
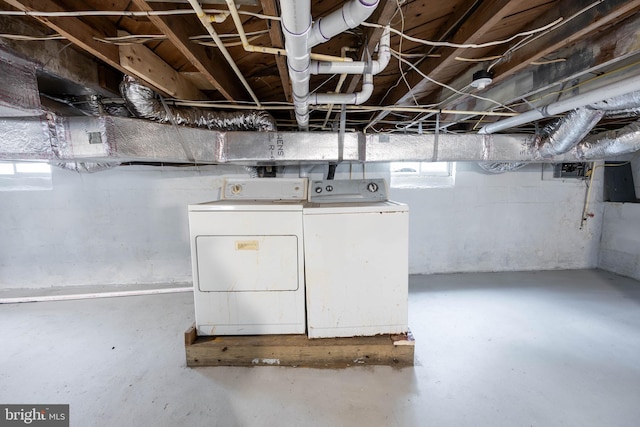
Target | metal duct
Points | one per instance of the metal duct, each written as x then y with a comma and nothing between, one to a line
86,167
501,167
612,90
143,103
25,138
564,134
622,103
109,139
96,107
611,143
19,96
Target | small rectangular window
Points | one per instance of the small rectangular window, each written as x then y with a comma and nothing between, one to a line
422,174
25,176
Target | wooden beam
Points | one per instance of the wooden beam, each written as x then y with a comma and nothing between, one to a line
275,34
604,13
298,350
81,34
486,16
139,60
211,64
599,51
74,30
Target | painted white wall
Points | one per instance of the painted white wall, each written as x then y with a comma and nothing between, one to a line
504,222
620,245
129,225
122,226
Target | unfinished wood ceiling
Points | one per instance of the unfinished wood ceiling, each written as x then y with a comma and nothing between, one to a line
538,51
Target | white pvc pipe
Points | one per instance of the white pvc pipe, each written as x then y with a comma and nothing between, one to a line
350,15
94,295
297,29
296,25
345,98
610,91
357,67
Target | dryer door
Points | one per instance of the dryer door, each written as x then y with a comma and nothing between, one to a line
247,263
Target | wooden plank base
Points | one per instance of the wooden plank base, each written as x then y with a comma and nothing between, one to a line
298,350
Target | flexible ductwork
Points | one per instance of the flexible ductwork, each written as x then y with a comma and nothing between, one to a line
612,143
566,133
143,103
622,103
501,167
612,90
86,167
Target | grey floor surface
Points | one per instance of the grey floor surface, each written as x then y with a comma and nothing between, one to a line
494,349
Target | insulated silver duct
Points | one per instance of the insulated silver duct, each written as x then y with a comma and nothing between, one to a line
564,134
86,167
626,102
612,143
143,103
501,167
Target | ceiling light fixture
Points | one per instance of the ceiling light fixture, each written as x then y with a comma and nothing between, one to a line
481,79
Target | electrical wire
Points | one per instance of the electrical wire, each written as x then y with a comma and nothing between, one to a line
449,87
533,37
30,38
403,74
466,45
128,13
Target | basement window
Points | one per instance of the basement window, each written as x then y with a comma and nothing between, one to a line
25,176
422,174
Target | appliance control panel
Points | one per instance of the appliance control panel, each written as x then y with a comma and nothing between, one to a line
353,190
265,189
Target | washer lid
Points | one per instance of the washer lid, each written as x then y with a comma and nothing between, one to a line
344,208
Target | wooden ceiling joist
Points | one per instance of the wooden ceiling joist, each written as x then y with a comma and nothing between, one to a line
486,16
141,61
598,16
275,34
211,64
86,37
74,30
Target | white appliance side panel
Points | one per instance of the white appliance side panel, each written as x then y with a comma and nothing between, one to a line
247,263
356,270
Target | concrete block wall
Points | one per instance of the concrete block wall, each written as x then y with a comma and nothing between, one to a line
129,225
122,226
512,221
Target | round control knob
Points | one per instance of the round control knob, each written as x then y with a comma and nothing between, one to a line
236,189
329,188
318,190
372,187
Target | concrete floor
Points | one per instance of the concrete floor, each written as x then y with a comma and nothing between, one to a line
498,349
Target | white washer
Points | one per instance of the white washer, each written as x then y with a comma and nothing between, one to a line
356,268
248,267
